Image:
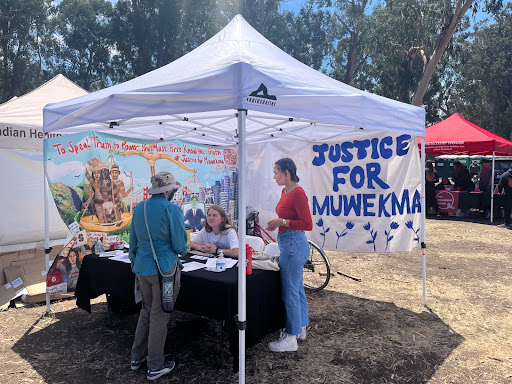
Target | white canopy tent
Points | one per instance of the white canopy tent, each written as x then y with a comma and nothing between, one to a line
21,156
235,89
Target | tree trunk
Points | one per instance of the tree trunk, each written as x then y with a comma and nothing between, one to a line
442,42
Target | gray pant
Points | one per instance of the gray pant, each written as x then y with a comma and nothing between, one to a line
151,329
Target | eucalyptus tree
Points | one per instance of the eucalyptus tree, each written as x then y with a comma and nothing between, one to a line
151,33
418,33
483,88
22,23
347,30
259,13
303,35
82,43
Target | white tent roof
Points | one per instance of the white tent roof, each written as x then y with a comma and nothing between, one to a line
21,156
197,97
27,110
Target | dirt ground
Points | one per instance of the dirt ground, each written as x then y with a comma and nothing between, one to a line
372,331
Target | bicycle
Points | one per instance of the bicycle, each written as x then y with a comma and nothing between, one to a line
317,270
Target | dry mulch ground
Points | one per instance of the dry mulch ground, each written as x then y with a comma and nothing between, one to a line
373,331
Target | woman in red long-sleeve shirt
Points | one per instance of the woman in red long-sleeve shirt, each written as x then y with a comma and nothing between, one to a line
293,219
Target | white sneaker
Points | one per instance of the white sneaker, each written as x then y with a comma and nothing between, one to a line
302,335
154,374
285,343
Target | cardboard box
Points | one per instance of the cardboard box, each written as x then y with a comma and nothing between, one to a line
14,276
36,293
18,263
34,272
7,293
8,258
28,254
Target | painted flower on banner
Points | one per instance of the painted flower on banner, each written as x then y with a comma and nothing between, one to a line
320,223
410,225
348,226
373,235
389,236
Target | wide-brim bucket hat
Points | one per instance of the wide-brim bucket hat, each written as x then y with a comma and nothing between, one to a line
163,182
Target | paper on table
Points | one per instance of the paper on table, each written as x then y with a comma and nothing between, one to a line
112,253
192,266
199,257
230,262
123,258
196,252
211,263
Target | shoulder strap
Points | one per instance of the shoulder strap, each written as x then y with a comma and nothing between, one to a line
151,242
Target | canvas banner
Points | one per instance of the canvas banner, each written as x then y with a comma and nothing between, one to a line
365,194
97,179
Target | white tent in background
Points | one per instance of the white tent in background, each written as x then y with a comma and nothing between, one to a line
235,89
21,156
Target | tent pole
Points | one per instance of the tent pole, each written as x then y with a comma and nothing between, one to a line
492,186
47,248
242,173
423,224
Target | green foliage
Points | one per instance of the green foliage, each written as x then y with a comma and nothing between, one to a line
151,33
382,46
483,86
22,24
81,45
303,36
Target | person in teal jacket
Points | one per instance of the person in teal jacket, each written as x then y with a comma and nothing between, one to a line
167,227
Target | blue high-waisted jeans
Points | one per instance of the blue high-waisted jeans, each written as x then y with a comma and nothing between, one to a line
294,249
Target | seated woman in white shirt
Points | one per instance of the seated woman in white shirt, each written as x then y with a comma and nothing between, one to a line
217,234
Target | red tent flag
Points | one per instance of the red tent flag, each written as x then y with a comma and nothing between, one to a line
458,136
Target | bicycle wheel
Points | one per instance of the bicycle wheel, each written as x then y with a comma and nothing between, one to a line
317,270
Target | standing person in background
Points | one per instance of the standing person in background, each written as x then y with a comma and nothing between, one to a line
430,190
461,178
167,228
505,185
293,219
485,176
474,168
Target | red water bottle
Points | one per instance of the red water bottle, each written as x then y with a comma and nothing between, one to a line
248,259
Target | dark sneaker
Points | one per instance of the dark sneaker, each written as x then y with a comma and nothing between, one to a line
135,364
154,374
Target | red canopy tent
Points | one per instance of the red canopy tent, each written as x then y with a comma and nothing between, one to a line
458,136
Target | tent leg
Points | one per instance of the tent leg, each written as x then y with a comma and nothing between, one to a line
423,224
47,248
492,186
242,177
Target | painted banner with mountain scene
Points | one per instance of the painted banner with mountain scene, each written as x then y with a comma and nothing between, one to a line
96,179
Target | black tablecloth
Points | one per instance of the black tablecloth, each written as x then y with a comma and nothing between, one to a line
479,200
204,293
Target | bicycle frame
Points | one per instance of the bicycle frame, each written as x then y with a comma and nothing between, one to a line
258,230
317,270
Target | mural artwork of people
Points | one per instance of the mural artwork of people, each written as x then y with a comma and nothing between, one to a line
119,191
95,194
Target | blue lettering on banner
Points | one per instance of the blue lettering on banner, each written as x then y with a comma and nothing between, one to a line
361,175
344,152
367,204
